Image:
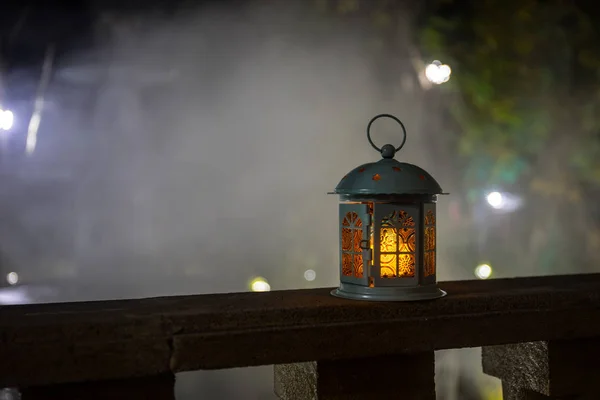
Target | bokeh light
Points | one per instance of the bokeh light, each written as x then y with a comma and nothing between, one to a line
6,119
259,284
438,73
483,271
12,278
310,275
495,199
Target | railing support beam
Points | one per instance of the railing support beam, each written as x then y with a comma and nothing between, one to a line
408,376
557,369
147,388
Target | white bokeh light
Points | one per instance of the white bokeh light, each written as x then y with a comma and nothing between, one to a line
6,119
438,73
483,271
495,199
12,278
310,275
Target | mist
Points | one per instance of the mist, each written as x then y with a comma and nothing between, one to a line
202,146
212,138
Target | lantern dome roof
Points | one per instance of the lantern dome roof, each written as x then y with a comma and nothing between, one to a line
388,176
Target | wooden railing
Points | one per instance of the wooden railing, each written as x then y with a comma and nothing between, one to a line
539,335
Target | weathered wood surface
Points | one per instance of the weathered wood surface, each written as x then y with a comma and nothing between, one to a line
71,342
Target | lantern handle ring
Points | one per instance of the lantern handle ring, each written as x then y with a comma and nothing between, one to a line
388,116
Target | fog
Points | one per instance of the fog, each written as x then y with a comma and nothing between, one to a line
202,145
213,139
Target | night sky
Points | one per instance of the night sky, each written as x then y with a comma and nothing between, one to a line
26,27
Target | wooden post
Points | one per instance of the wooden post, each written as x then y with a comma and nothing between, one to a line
558,369
408,376
148,388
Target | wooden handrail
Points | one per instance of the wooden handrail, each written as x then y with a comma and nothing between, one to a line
45,344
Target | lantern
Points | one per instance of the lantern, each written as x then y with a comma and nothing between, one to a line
387,223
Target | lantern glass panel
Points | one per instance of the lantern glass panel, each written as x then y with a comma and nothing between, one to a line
429,239
395,244
354,235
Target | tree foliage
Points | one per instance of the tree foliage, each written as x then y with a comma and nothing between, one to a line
522,103
526,100
525,73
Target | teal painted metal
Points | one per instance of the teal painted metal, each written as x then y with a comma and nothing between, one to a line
359,274
390,193
388,293
387,176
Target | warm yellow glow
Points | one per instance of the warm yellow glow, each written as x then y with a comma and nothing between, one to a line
406,265
483,271
388,245
259,284
396,247
352,257
388,264
397,252
429,244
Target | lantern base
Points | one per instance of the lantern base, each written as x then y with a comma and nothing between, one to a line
386,293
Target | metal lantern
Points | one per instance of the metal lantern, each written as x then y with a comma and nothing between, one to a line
388,229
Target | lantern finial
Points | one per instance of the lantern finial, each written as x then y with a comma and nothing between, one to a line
388,150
